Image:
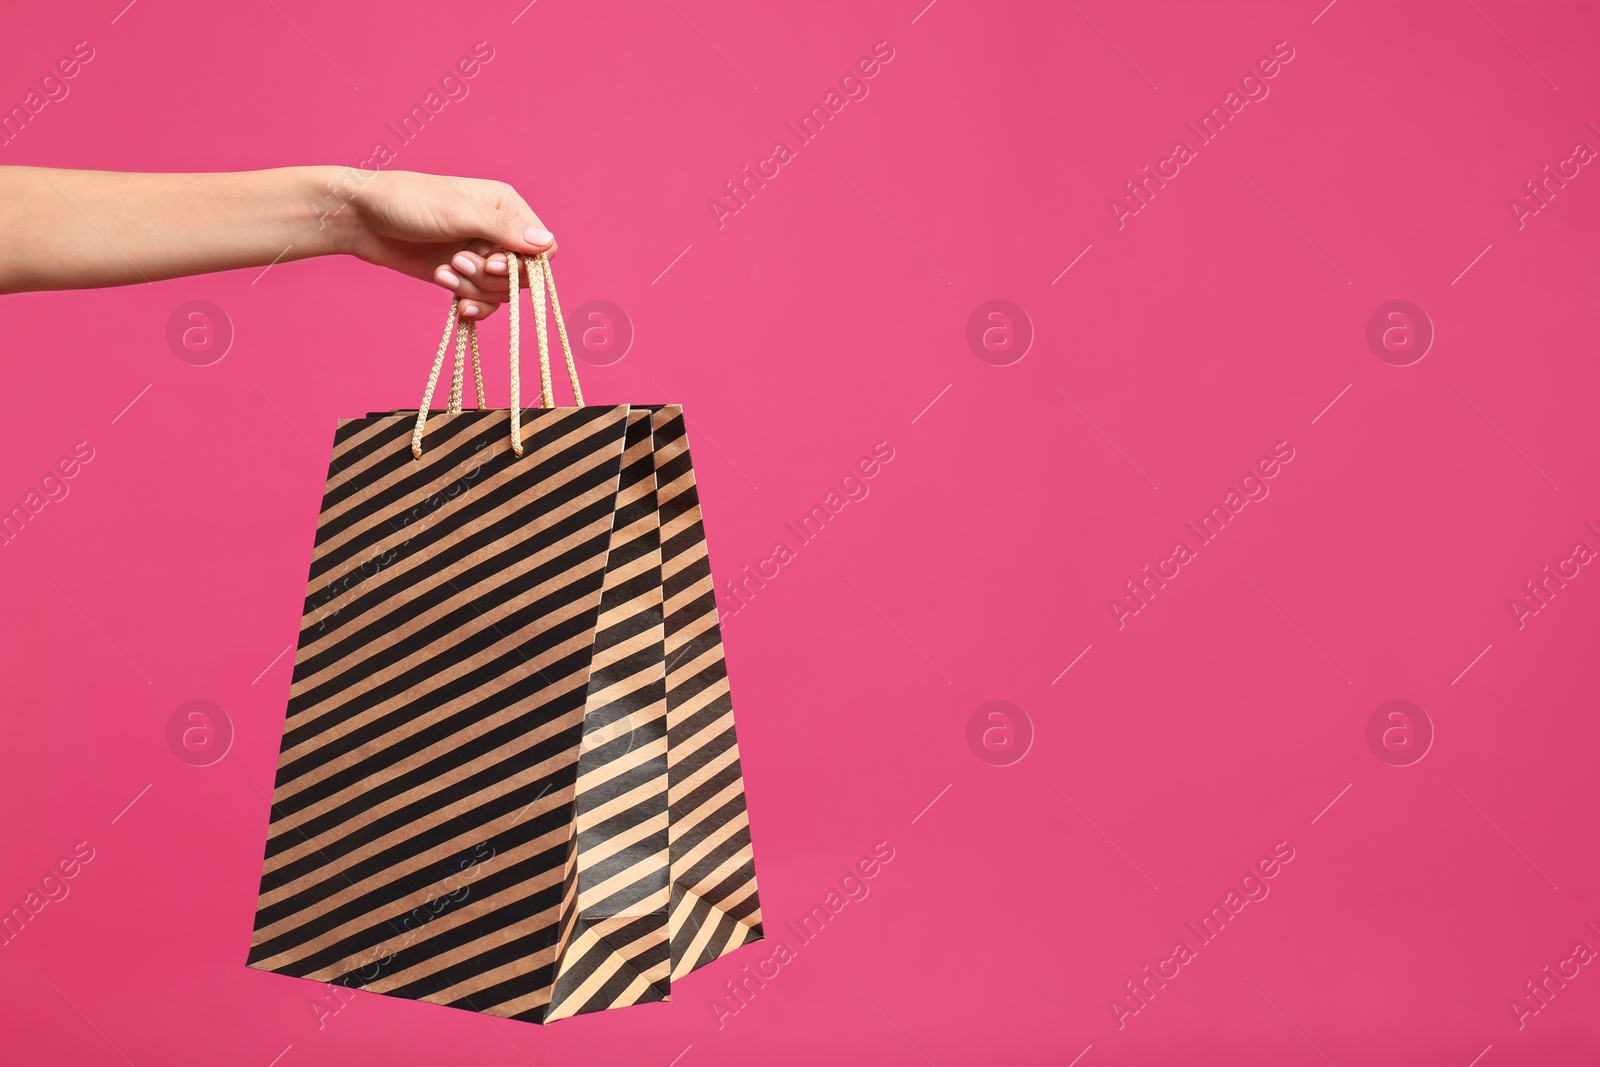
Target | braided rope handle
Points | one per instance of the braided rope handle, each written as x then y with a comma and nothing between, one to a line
454,406
561,328
536,275
541,280
433,379
466,330
477,363
515,272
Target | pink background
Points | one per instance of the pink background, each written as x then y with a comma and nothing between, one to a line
825,317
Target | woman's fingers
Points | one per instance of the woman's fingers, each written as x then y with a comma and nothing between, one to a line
470,261
473,267
478,276
476,310
481,288
495,264
477,302
466,265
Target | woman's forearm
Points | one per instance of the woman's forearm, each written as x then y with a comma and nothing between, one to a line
81,229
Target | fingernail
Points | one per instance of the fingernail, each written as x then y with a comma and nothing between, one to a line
535,236
469,309
447,278
463,263
497,264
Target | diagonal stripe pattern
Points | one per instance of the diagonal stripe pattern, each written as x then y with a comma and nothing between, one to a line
714,904
479,785
617,953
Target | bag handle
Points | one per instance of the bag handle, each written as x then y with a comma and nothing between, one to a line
540,280
468,330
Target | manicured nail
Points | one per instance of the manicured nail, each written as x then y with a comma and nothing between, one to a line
463,263
535,236
444,276
469,309
497,264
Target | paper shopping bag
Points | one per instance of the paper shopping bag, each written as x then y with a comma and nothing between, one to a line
509,780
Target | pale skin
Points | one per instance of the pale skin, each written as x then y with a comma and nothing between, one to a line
86,229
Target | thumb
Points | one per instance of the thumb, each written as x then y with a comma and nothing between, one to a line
506,219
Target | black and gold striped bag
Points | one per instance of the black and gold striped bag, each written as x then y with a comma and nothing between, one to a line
509,780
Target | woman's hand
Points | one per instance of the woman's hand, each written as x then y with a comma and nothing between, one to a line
81,229
445,230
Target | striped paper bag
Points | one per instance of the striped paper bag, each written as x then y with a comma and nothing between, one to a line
509,780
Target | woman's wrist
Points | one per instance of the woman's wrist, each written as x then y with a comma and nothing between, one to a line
323,200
